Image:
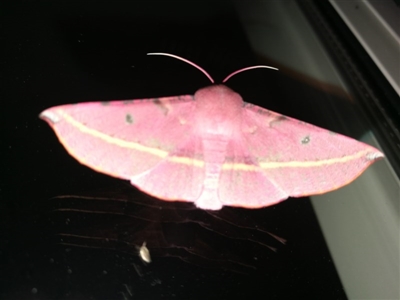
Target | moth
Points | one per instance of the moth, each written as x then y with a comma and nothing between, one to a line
210,148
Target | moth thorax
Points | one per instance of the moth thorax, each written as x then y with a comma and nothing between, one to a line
218,110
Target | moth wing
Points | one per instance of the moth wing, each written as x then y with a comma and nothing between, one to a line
278,157
126,139
242,183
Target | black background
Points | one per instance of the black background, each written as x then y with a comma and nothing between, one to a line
67,52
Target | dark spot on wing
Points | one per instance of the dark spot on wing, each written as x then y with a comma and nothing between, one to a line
281,118
306,140
161,106
277,120
105,103
129,119
262,111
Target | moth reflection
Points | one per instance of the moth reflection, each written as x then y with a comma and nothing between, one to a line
232,239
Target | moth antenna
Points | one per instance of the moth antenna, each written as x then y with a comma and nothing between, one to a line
186,61
248,68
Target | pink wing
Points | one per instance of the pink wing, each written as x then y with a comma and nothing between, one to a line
278,157
208,152
138,140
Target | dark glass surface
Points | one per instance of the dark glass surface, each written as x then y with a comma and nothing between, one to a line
68,232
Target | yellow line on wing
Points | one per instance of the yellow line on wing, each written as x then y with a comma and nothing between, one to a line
130,145
199,163
112,140
294,164
186,160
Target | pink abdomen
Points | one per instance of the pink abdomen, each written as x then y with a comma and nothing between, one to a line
214,150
